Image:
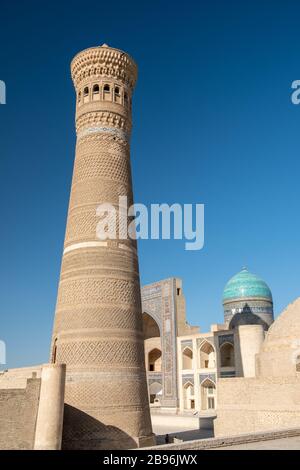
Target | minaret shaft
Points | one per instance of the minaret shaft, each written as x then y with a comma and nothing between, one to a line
98,322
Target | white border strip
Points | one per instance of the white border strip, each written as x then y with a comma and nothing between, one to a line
110,130
77,246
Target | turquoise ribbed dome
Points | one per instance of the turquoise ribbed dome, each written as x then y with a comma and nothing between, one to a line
246,285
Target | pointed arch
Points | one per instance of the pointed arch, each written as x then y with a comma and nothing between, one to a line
187,358
151,328
154,360
106,92
227,355
207,355
155,392
188,396
152,344
208,394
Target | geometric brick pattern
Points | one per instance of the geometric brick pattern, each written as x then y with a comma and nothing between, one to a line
204,377
98,323
122,353
95,291
103,393
83,194
82,224
94,118
73,261
96,431
91,317
102,165
103,61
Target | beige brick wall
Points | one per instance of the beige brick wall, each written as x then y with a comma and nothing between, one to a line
17,378
253,405
18,413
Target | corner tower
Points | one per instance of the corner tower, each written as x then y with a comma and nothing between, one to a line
98,323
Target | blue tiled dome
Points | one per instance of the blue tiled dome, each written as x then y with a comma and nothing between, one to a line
246,285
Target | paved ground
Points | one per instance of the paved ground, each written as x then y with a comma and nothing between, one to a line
289,443
182,427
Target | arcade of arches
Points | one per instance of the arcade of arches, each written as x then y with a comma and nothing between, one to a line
196,360
199,357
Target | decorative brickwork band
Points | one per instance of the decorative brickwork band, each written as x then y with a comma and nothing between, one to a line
98,323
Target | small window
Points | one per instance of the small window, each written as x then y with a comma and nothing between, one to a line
95,89
125,97
79,97
106,88
117,91
54,352
86,91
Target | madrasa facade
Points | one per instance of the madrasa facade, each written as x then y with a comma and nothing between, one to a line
183,364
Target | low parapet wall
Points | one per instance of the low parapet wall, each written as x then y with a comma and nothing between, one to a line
31,407
214,443
18,413
250,405
17,378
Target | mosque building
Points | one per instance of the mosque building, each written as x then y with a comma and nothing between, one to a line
183,364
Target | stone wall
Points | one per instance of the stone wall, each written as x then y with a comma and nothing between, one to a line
17,378
248,405
31,407
213,443
18,414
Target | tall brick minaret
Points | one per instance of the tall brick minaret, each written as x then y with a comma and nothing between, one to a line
98,323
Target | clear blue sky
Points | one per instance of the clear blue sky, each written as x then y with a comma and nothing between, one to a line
213,124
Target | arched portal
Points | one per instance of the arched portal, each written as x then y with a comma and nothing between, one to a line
227,355
188,396
187,358
150,327
208,395
155,392
154,360
207,356
152,343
